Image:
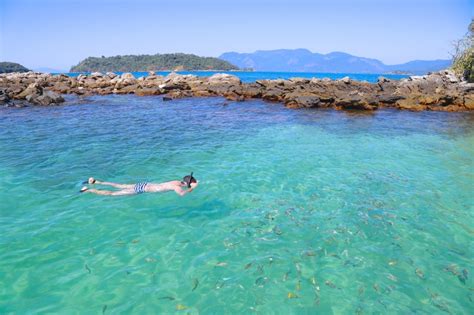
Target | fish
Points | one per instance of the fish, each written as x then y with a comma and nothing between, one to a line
453,268
265,239
261,281
292,295
150,259
104,308
169,298
195,284
135,241
392,262
330,284
181,307
349,262
285,276
298,285
247,266
361,290
462,278
220,284
389,289
433,294
298,268
397,245
221,264
230,244
269,216
435,297
277,230
420,273
442,307
317,300
87,268
392,277
376,287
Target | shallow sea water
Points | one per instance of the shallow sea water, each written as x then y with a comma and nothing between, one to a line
252,76
297,212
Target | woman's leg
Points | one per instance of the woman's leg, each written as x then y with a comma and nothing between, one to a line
121,186
122,192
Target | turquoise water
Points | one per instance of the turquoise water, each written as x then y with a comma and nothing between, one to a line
247,76
297,212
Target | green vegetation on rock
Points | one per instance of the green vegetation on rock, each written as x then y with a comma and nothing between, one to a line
7,67
132,63
463,56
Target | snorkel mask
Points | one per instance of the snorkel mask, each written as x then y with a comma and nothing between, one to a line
188,179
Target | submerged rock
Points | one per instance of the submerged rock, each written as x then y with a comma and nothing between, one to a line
48,98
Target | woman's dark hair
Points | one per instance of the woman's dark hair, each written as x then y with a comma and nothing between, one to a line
188,180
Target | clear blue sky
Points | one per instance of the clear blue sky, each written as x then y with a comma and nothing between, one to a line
59,33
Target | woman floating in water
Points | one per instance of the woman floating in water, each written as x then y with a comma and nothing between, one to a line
131,189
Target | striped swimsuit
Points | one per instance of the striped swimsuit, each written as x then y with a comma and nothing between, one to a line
140,187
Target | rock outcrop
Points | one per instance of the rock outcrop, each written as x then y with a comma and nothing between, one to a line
441,91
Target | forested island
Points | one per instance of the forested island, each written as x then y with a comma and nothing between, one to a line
7,67
158,62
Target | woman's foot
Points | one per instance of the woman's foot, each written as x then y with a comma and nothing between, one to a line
83,189
91,180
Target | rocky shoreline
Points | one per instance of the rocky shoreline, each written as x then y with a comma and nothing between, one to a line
439,91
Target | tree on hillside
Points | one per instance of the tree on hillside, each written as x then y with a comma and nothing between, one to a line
463,55
156,62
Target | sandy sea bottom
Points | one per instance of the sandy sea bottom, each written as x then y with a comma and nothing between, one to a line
296,212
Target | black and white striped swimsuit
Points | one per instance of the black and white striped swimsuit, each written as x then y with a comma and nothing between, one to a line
140,187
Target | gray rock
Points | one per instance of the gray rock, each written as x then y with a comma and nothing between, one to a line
96,75
4,98
47,98
127,75
81,77
346,80
220,78
111,75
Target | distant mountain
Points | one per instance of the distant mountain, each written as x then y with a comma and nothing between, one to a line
49,70
131,63
303,60
421,66
6,67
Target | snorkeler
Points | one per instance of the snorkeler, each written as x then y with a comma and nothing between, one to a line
177,186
